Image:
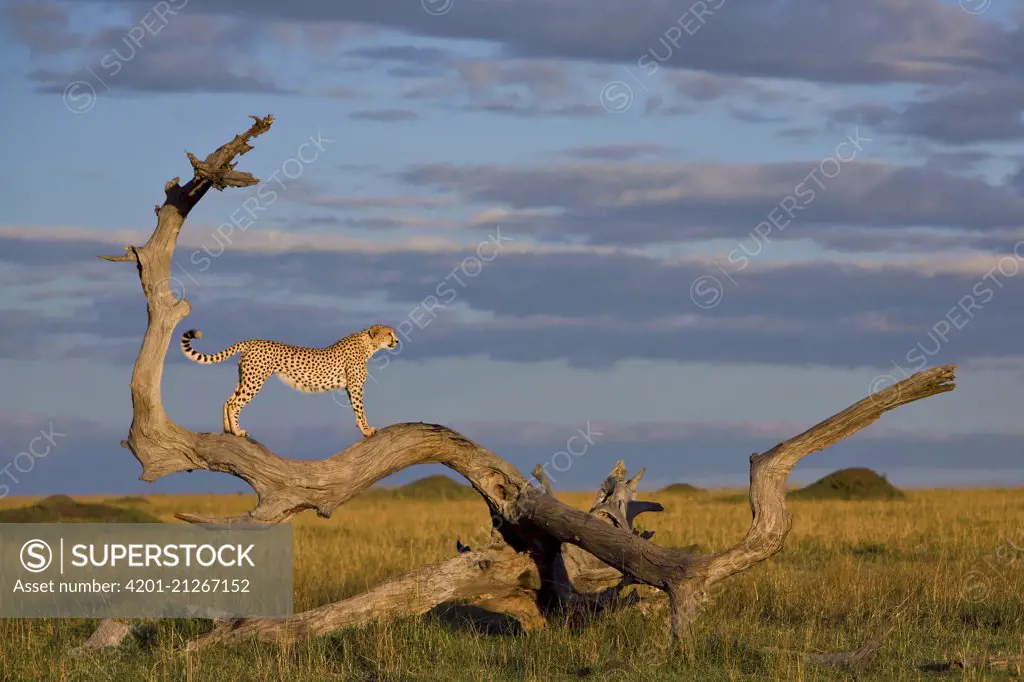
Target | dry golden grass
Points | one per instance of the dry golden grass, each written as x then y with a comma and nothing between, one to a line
956,553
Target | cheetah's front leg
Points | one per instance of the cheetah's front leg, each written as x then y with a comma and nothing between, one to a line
355,395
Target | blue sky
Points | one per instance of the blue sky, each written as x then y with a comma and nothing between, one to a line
705,226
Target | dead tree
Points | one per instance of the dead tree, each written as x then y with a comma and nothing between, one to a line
554,556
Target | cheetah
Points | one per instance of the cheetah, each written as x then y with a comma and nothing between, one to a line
310,370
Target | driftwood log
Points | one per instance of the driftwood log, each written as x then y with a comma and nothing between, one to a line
553,559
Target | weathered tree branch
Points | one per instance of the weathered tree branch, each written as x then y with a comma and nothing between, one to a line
491,573
535,525
110,633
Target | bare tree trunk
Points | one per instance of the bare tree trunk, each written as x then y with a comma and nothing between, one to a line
535,525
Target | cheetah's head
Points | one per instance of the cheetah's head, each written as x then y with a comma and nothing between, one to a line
382,336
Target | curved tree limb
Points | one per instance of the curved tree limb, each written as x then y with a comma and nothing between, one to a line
530,520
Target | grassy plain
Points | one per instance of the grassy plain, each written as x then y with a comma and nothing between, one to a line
957,554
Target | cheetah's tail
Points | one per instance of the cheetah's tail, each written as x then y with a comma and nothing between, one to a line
203,358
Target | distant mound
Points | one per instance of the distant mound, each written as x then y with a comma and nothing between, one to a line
857,483
64,509
437,487
130,499
682,489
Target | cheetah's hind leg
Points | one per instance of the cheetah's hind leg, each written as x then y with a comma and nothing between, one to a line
249,384
232,408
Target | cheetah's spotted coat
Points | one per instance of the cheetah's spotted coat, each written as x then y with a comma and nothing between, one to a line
310,370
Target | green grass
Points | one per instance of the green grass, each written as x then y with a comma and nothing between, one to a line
845,565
